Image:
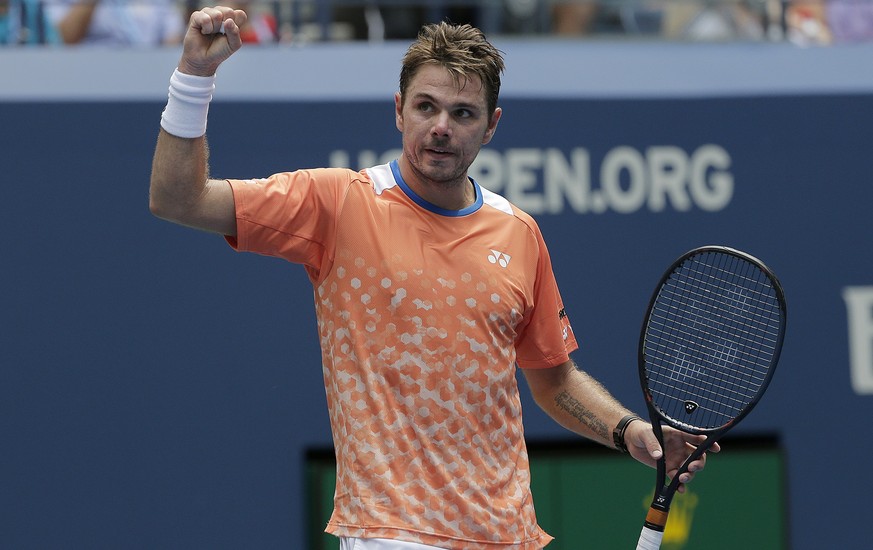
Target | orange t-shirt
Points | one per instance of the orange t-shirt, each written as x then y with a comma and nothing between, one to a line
422,314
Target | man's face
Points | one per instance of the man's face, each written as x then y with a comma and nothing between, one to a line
444,124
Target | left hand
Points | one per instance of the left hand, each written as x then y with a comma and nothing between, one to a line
643,446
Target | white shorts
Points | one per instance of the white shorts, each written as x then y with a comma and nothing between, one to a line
347,543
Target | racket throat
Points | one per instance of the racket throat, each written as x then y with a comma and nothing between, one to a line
656,518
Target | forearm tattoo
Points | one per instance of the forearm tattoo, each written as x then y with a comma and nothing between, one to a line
578,411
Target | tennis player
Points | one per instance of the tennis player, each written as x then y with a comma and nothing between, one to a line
429,292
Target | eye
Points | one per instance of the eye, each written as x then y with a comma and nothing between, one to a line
425,107
464,113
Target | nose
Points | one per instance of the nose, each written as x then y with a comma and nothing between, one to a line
442,125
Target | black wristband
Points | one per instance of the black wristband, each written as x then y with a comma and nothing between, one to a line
620,428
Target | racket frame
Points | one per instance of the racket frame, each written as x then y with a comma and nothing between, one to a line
656,518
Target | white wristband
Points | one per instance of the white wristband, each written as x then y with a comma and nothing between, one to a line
187,104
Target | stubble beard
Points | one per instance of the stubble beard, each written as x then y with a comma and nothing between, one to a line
443,178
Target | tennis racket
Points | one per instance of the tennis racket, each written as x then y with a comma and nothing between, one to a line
709,345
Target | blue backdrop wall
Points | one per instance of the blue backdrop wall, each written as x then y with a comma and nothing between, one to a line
159,390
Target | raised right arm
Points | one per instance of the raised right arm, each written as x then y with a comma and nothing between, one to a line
180,189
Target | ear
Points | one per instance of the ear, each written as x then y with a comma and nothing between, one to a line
398,111
492,125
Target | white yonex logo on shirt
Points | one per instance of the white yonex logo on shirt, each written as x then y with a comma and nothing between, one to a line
499,258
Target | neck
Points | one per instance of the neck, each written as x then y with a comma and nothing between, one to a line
450,195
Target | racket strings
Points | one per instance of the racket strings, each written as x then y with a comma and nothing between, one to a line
746,372
724,317
712,334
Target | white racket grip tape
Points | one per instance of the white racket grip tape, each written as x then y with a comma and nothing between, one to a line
650,539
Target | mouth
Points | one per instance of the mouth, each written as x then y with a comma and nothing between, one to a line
439,152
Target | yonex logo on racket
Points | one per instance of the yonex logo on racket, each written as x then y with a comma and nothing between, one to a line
499,258
691,406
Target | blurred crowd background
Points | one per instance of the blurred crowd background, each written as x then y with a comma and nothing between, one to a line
149,23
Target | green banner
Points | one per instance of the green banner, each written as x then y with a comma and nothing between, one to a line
589,497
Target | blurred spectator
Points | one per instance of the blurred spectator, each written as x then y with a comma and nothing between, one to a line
806,23
261,26
118,22
530,17
713,22
23,22
597,17
850,20
371,21
573,18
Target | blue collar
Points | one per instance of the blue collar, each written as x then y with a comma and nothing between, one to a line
395,169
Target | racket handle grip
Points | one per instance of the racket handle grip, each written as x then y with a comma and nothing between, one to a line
650,539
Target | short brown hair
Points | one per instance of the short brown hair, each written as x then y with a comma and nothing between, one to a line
461,49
